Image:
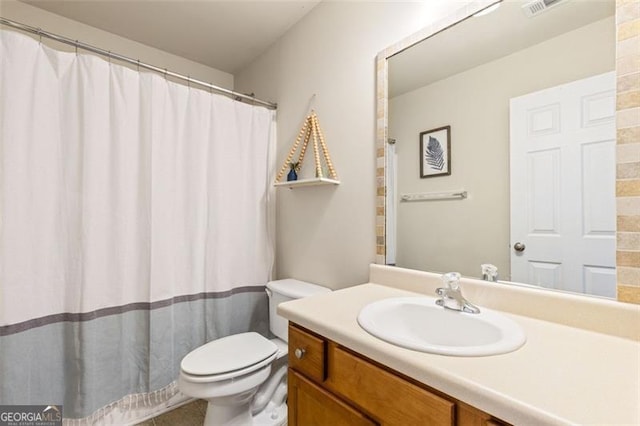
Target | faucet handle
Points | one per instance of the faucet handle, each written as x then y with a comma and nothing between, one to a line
489,272
451,280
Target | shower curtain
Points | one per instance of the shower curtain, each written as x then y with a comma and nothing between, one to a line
135,225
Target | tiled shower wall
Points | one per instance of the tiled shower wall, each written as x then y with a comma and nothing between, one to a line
628,149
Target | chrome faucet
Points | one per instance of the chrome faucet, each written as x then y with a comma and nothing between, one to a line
489,272
451,295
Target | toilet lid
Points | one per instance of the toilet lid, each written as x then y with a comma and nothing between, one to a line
228,354
295,289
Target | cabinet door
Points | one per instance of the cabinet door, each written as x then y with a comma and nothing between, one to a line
388,398
310,405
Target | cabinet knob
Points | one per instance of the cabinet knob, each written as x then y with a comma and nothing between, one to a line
299,353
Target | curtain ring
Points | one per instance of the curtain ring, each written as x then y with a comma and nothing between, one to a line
165,73
189,81
109,56
76,46
40,35
138,65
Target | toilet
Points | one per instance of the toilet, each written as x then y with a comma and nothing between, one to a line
243,377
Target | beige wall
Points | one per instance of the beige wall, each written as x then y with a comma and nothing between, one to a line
47,21
462,234
327,234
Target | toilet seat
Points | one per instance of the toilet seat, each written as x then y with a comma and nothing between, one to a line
228,357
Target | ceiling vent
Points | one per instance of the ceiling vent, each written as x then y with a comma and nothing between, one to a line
536,7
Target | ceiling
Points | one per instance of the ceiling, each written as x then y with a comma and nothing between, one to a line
226,35
482,39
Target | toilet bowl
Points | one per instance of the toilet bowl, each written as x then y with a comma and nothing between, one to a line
243,376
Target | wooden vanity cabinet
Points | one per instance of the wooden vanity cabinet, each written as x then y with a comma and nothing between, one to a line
332,385
311,405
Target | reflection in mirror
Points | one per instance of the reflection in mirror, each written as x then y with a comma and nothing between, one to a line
530,101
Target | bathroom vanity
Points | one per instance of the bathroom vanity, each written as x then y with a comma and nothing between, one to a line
580,364
331,385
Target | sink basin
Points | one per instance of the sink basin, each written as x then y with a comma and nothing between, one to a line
418,323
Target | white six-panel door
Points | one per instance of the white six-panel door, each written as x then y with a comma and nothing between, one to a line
563,187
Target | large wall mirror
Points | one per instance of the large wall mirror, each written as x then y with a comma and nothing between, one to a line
523,175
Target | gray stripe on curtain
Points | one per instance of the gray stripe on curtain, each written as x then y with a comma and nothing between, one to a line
85,364
87,316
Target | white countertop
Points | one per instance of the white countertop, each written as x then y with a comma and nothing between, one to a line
562,375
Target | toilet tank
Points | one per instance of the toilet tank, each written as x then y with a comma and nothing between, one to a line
282,291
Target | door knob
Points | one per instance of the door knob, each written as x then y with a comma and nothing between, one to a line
519,247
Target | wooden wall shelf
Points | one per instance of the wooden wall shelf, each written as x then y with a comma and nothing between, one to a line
308,182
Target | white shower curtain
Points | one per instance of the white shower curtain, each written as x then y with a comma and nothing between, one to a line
135,225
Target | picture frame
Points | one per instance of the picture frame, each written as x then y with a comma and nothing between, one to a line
435,152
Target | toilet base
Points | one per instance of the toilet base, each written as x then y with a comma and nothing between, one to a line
234,410
272,415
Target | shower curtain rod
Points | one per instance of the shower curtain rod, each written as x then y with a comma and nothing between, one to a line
135,62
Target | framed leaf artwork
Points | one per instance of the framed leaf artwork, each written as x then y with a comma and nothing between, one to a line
435,152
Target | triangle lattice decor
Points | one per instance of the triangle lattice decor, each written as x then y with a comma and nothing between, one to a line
310,130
